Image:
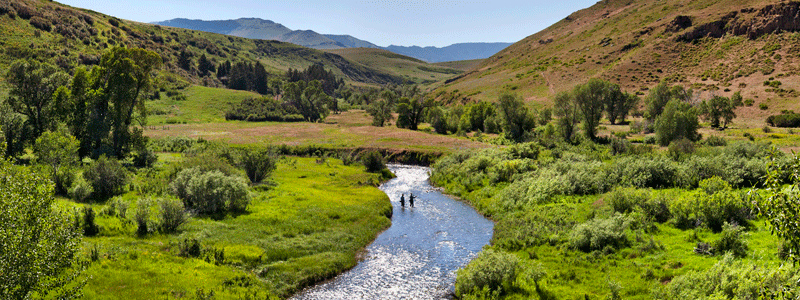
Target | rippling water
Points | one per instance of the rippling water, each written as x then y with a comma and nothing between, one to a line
416,258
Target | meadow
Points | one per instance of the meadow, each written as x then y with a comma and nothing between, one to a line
308,223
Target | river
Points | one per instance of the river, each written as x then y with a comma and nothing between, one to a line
417,257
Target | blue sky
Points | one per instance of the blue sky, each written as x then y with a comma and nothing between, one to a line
397,22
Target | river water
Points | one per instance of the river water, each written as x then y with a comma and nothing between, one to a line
416,258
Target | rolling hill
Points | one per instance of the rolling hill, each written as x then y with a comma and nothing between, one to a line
410,69
269,30
68,36
714,46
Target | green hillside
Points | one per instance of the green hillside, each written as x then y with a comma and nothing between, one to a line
410,69
70,36
716,47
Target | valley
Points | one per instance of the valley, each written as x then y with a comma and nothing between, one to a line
636,149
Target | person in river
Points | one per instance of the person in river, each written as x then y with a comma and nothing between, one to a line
402,200
411,200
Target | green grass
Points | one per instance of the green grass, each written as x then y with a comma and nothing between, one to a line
203,105
307,228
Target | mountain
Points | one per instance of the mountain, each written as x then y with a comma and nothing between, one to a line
455,52
716,47
267,30
68,37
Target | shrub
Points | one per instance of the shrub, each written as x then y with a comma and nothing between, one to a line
625,200
645,171
715,141
107,177
763,106
657,209
190,248
784,120
597,234
680,148
373,161
41,23
491,269
142,217
89,226
718,203
258,163
172,215
732,240
210,192
80,190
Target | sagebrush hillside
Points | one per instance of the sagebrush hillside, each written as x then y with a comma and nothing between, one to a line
411,69
716,47
69,37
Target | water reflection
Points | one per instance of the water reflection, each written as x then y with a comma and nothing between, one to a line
417,256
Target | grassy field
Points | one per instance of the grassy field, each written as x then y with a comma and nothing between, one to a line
307,225
203,105
350,129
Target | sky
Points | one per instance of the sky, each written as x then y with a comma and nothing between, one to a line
436,23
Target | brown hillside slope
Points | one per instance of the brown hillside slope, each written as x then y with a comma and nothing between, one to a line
714,46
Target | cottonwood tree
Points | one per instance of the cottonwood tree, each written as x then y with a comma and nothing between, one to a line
619,104
657,99
381,112
568,114
40,245
591,99
117,86
720,109
677,121
411,111
59,151
309,99
37,93
517,119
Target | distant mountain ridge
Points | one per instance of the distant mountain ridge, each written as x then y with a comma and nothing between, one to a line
255,28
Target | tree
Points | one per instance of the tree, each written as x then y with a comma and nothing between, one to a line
117,85
381,112
185,59
107,177
40,245
77,119
517,120
411,111
205,66
678,121
619,104
658,97
308,99
14,130
719,109
568,114
779,204
58,151
591,99
35,94
476,115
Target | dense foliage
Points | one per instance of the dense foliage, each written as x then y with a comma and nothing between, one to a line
211,192
785,119
40,244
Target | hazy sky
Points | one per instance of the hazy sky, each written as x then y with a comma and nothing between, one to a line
397,22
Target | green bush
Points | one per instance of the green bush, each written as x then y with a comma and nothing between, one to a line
715,141
89,226
598,234
80,190
732,240
258,163
373,161
142,217
763,106
210,192
657,209
107,176
491,269
784,120
172,215
645,172
625,200
718,203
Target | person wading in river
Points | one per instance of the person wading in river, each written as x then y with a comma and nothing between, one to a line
402,200
411,200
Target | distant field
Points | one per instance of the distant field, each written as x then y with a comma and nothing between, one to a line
463,65
204,105
348,130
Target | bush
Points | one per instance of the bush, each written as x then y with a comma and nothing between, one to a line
89,226
625,200
491,269
210,192
107,176
680,148
172,215
597,234
784,120
657,209
41,23
142,217
373,161
763,106
732,241
80,190
715,141
645,172
258,163
718,204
